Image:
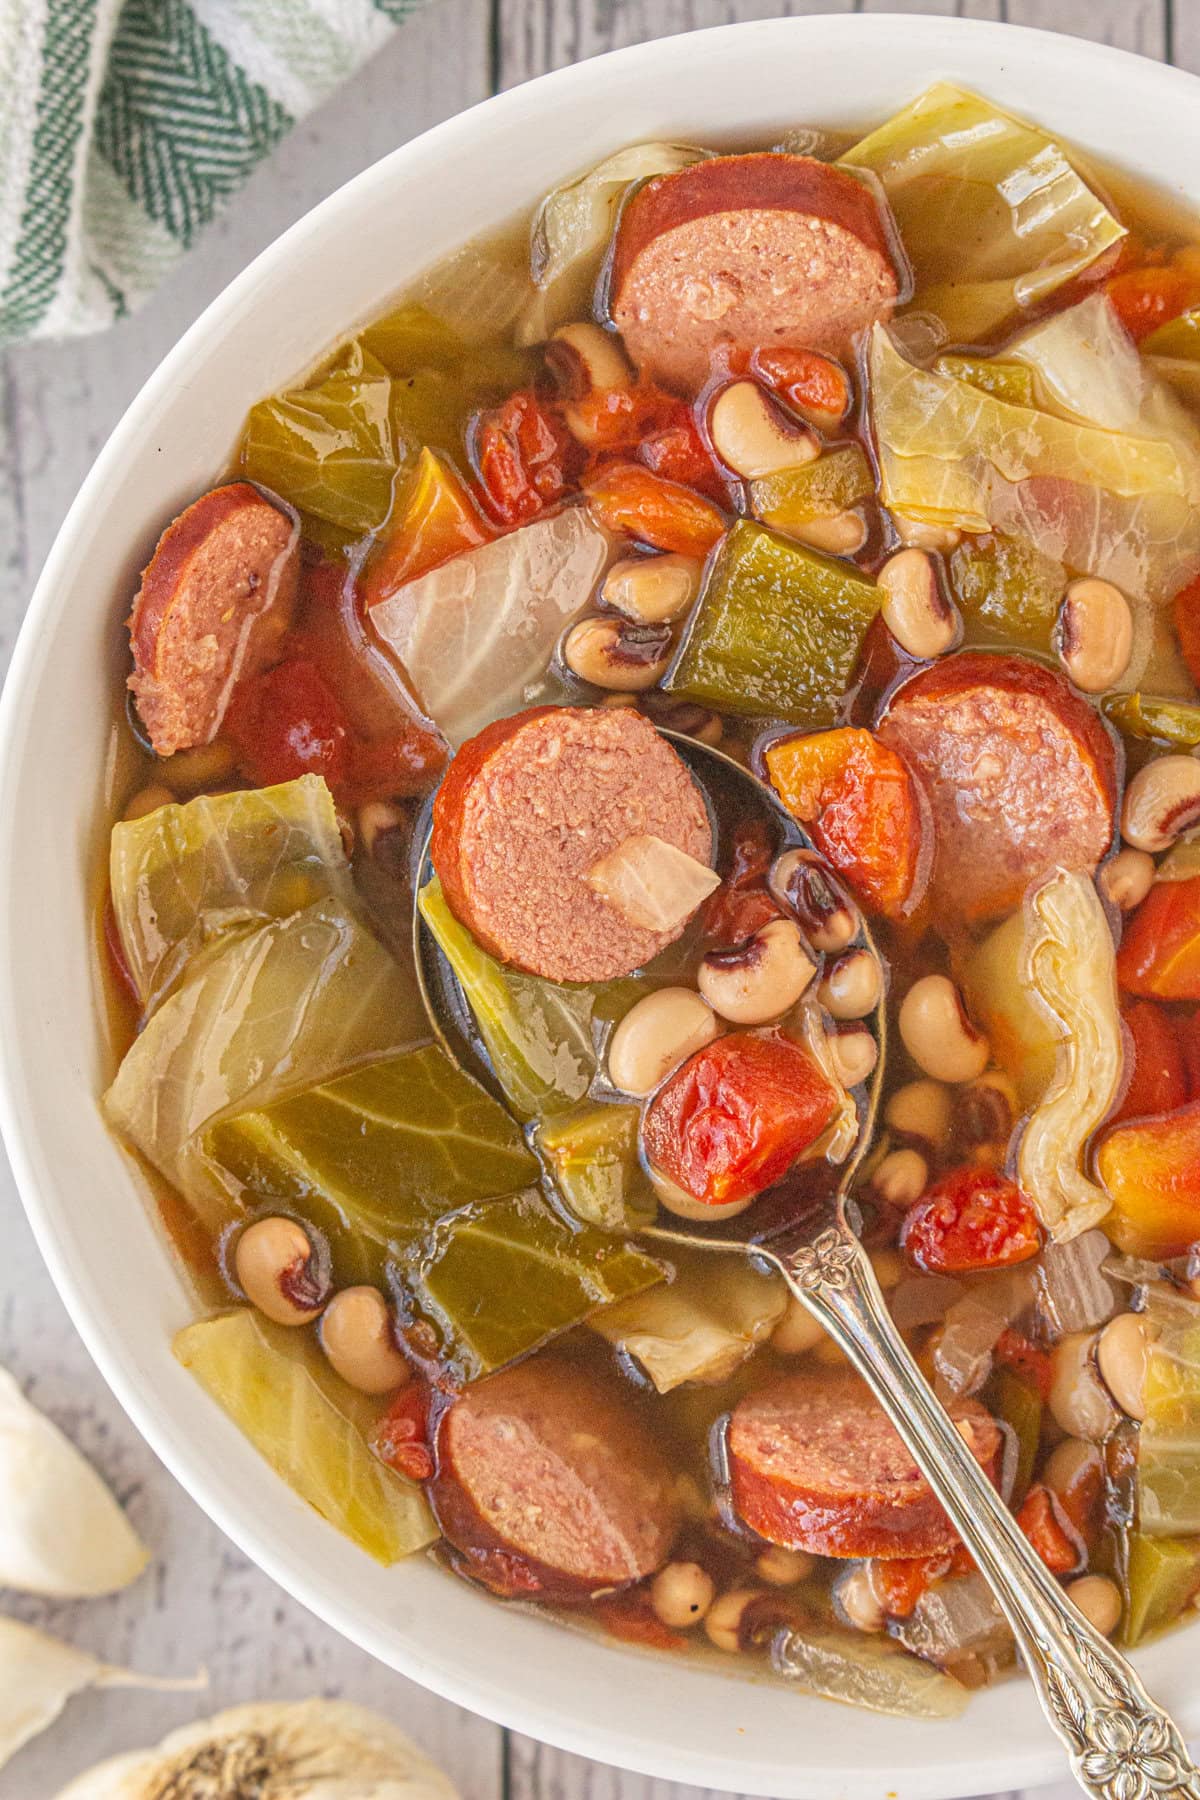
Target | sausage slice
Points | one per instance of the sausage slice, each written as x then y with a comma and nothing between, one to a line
815,1464
548,1482
530,806
1020,772
215,600
751,252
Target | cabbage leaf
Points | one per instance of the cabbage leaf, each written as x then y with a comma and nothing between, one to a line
1104,477
295,1003
183,876
1168,1463
991,213
701,1326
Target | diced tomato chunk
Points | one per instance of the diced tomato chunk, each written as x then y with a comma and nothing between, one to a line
628,499
1046,1526
401,1438
1187,625
861,804
1159,958
1151,1167
900,1581
1145,298
972,1219
439,520
289,722
633,1619
1026,1359
526,457
814,384
1159,1080
736,1116
742,905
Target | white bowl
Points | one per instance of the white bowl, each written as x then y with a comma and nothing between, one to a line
333,269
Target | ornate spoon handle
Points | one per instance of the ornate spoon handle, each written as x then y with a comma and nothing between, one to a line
1121,1745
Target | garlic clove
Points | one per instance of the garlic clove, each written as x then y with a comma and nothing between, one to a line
61,1531
39,1674
289,1750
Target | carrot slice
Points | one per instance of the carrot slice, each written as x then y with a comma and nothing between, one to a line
636,503
440,519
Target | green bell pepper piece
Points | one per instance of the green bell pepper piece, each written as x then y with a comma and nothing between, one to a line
1008,591
1175,722
591,1158
1162,1575
832,484
777,630
1011,381
1019,1407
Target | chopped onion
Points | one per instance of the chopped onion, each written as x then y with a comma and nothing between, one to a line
474,633
1069,963
865,1671
1074,1293
963,1353
955,1618
652,883
476,293
700,1327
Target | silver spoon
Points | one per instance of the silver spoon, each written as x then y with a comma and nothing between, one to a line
1121,1745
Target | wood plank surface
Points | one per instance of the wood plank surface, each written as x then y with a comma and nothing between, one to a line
202,1603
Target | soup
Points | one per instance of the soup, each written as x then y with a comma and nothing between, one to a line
452,944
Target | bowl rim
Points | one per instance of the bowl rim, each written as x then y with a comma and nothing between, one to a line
31,1159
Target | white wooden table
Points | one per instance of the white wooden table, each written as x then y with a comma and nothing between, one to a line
201,1602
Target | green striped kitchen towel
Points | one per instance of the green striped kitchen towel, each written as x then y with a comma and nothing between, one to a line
126,124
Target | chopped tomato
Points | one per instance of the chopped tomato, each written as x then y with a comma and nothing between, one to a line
736,1116
742,905
900,1581
628,499
1145,298
861,804
289,722
1159,1080
401,1438
1026,1359
1159,958
526,457
396,767
439,520
815,385
1044,1523
1187,625
971,1219
1151,1167
632,1618
678,453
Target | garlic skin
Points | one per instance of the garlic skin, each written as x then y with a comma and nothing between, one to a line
39,1674
290,1750
61,1531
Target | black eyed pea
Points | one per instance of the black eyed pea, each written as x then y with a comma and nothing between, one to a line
856,1601
779,1567
838,534
147,800
585,359
1071,1461
941,539
658,1033
803,884
356,1336
759,980
686,1206
1094,634
204,766
382,829
652,590
799,1330
1161,802
1122,1355
986,1109
277,1269
852,986
681,1595
937,1033
1099,1600
900,1178
613,653
723,1622
1126,878
753,435
921,1110
689,720
854,1053
922,620
1078,1400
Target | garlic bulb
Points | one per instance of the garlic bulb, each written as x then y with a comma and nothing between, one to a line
61,1531
39,1674
298,1750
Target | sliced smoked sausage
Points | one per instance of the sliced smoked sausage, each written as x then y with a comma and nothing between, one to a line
548,1482
530,806
751,252
814,1464
1020,772
215,601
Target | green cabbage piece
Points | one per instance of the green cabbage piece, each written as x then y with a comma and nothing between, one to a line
991,213
372,1159
295,1003
184,876
590,1155
702,1326
1104,477
1168,1465
865,1671
538,1034
311,1427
